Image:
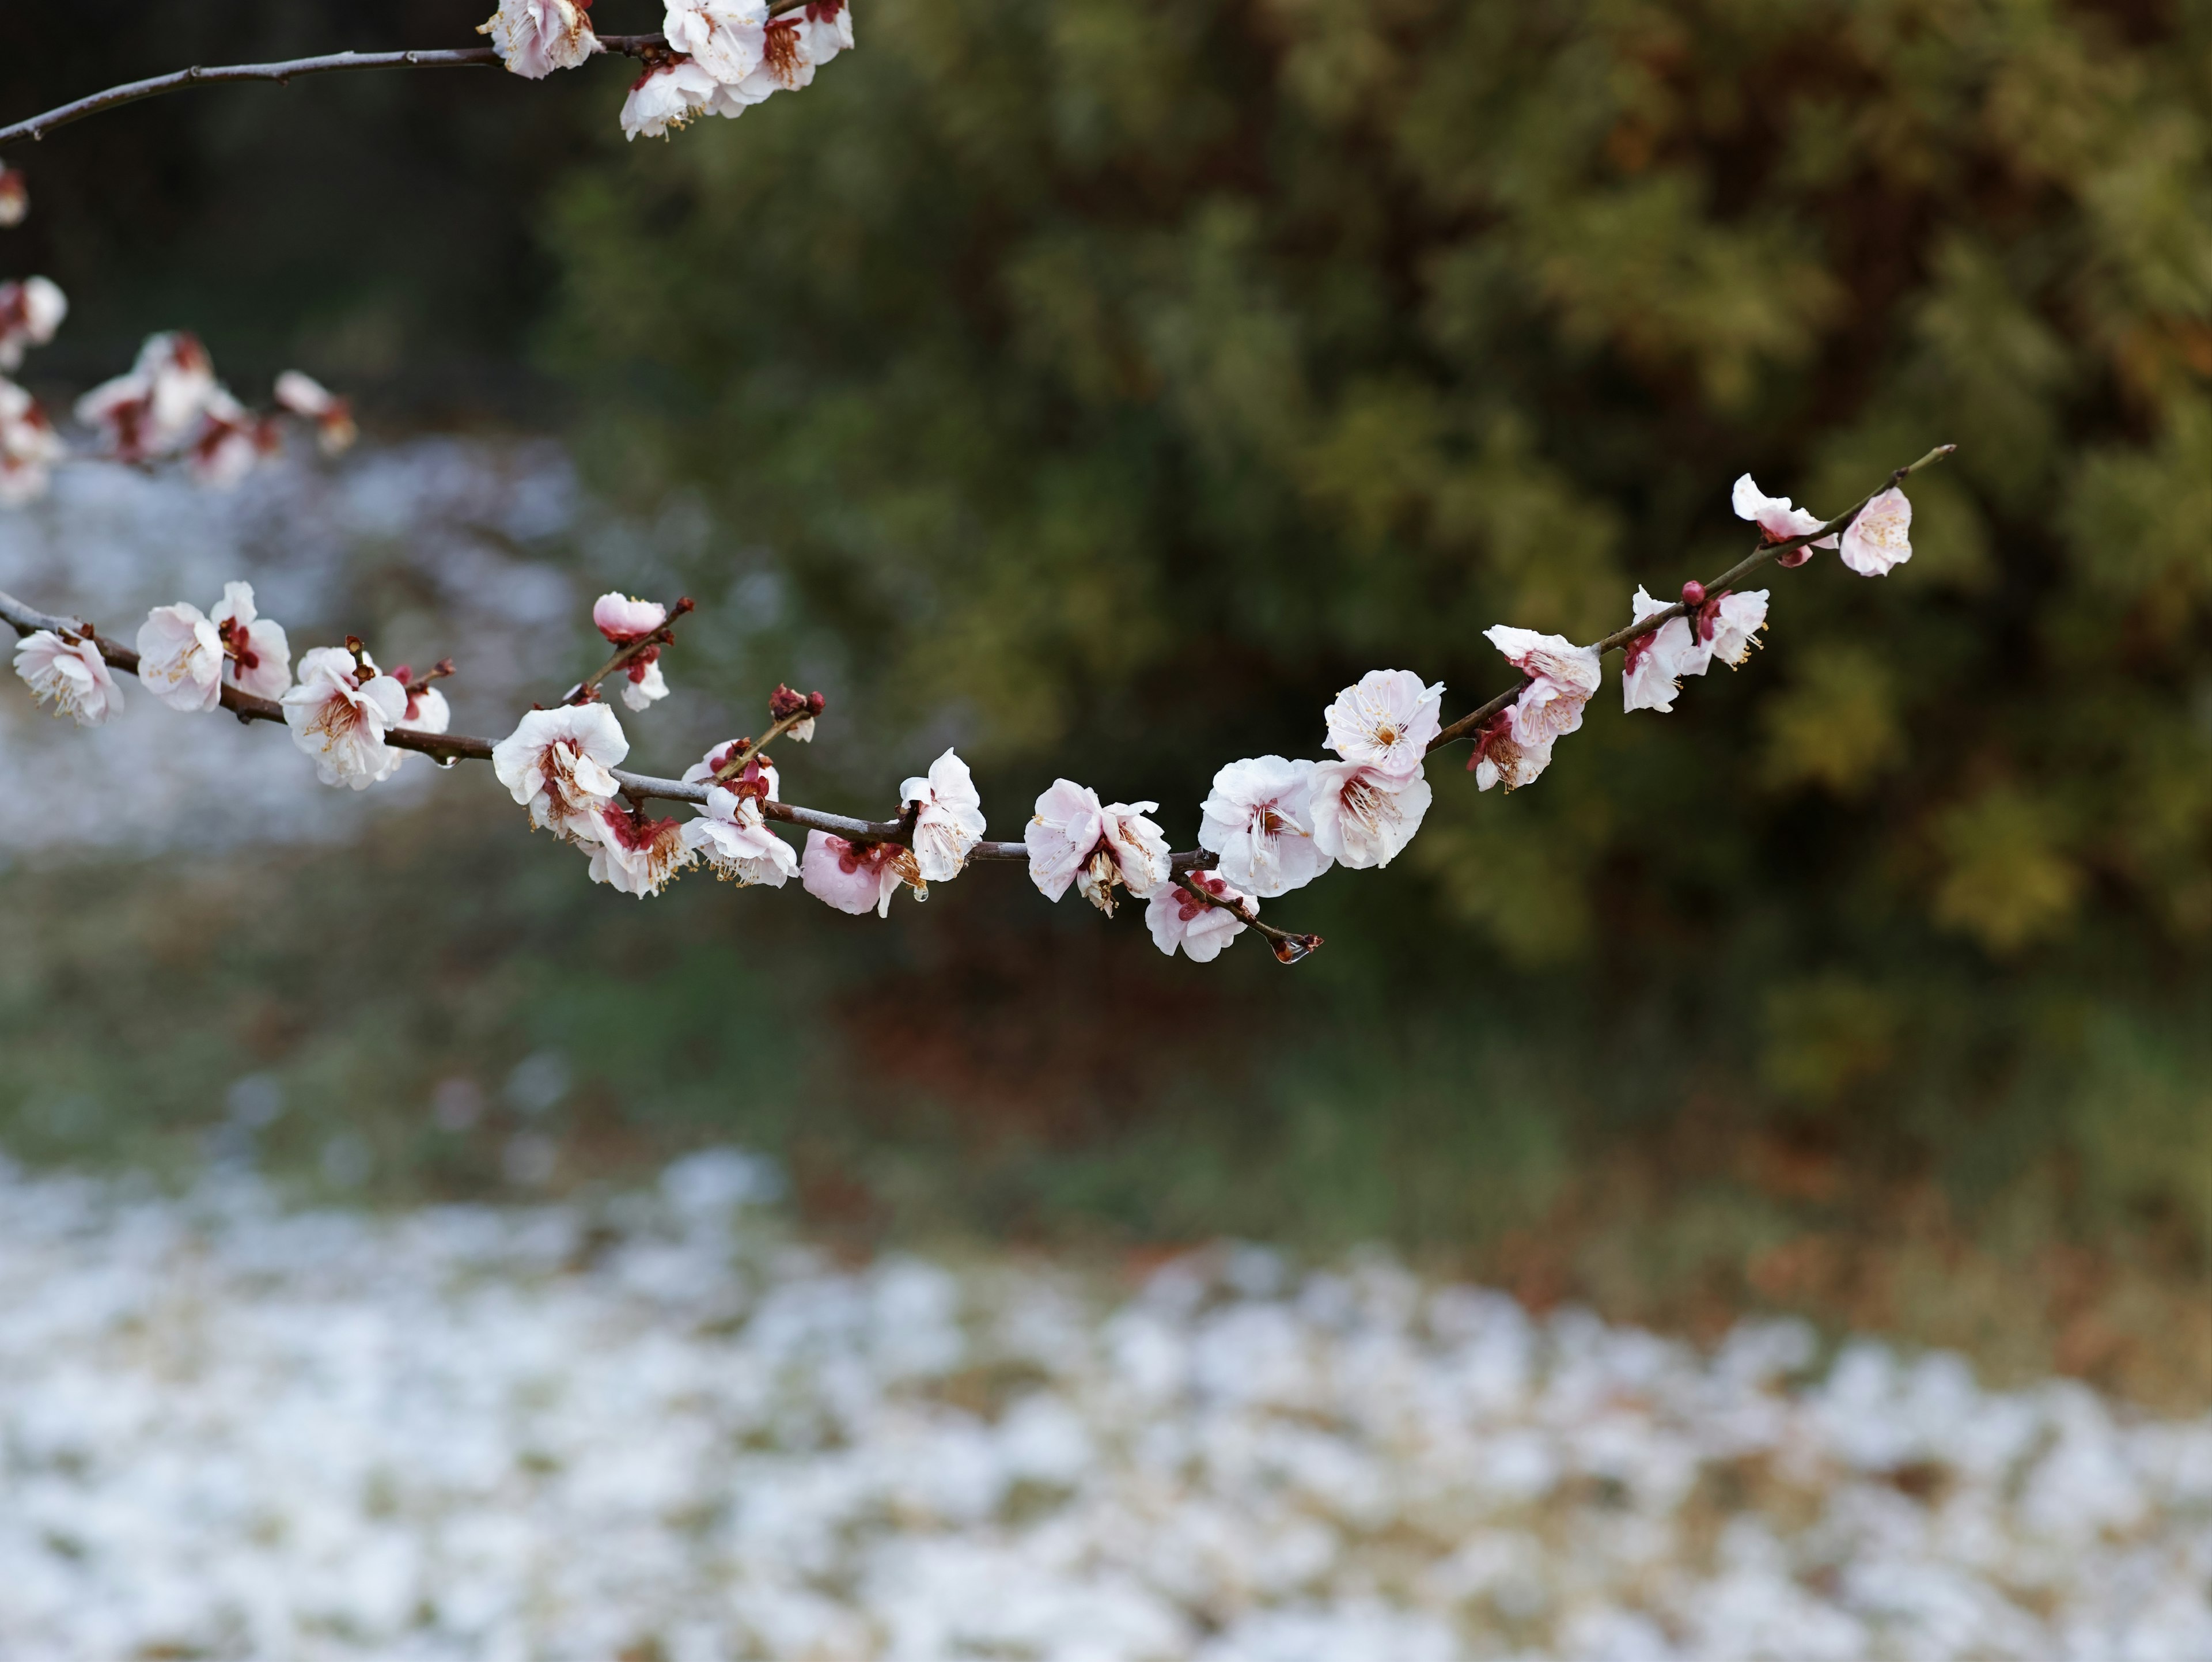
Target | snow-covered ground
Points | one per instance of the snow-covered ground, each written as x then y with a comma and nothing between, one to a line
654,1427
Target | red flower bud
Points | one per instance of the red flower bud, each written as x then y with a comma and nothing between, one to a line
1693,594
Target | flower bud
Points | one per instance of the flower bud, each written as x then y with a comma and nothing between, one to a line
783,704
1693,594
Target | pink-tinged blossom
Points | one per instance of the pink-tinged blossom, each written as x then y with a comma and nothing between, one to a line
1361,815
309,399
15,198
1653,664
181,657
30,312
157,408
633,855
1066,826
643,683
533,37
734,837
1178,917
725,38
29,448
1727,628
1387,721
231,441
792,48
758,778
858,877
427,709
1881,538
623,620
1548,657
1259,820
1777,520
340,713
71,675
669,95
825,28
1562,678
1072,838
558,763
949,822
256,652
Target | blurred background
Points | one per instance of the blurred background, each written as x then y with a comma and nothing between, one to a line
1099,387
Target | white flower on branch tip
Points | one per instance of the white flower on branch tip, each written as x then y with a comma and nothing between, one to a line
734,837
725,38
1777,520
1072,838
30,312
1387,721
533,37
670,93
1361,815
949,820
643,683
308,398
1881,538
858,877
557,762
155,408
792,49
70,674
1259,820
623,620
181,657
1178,917
339,714
633,855
1653,664
29,447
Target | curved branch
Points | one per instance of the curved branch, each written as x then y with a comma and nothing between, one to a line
463,58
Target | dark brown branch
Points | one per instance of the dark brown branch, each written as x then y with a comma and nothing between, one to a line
464,58
1467,724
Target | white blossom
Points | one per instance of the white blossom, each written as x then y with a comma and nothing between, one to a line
339,714
427,709
1731,629
557,762
1387,721
1881,538
734,839
1178,917
669,95
181,657
1777,520
1361,815
1073,839
70,674
1259,819
257,653
643,685
633,855
533,37
29,447
1562,678
1653,664
951,820
858,877
157,408
30,312
308,398
231,441
623,619
725,38
792,48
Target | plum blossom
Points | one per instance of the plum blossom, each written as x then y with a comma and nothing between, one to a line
644,685
339,714
734,837
29,447
757,779
1516,745
1387,721
1653,664
309,399
1361,815
256,655
825,28
427,709
557,762
30,312
633,855
181,657
15,198
1178,917
231,440
623,620
670,94
1259,819
1727,628
857,878
1777,520
948,821
784,703
71,674
725,38
1881,538
155,408
533,37
1073,839
792,48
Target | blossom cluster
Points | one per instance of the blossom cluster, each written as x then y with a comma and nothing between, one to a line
1267,825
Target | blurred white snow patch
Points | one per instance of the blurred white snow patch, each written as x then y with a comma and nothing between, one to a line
655,1427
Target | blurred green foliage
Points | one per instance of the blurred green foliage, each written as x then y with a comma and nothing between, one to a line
1106,383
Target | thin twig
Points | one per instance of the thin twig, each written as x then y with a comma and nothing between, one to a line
628,651
464,58
1289,945
1467,724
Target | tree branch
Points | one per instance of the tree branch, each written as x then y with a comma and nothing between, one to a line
464,58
